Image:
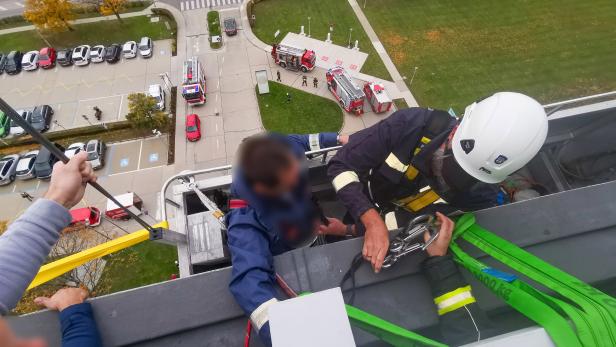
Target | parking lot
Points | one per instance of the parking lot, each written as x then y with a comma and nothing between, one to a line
73,91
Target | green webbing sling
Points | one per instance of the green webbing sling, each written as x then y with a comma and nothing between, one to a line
592,313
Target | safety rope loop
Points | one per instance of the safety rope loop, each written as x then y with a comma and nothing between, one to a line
462,224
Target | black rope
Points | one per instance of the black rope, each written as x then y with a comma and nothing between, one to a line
350,275
38,137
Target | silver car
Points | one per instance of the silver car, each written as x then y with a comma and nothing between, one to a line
25,166
8,166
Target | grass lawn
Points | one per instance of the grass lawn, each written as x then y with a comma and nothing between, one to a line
140,265
105,32
305,114
289,15
550,49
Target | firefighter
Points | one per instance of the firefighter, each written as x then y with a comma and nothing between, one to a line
416,157
304,81
315,82
278,76
272,212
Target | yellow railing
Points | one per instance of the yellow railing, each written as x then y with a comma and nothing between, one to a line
66,264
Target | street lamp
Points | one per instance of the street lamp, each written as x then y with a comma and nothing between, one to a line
414,72
58,124
308,26
350,31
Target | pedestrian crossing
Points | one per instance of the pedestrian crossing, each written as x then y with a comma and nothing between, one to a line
188,5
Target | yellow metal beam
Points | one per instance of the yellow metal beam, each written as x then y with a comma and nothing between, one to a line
66,264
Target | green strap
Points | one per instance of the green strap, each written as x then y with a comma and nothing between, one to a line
591,311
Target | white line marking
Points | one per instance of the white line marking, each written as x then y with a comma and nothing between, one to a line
2,8
133,171
120,108
202,3
193,4
38,185
182,6
14,187
217,144
139,161
19,4
209,3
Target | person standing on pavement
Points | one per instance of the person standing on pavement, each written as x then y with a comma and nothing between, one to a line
25,246
315,82
304,81
278,76
402,165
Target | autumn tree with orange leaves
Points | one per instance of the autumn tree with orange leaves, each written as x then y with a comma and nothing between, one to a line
52,15
109,7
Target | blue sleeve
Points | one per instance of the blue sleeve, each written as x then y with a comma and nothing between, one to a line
78,327
313,142
252,276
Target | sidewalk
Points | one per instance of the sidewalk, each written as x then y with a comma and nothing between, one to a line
380,50
144,12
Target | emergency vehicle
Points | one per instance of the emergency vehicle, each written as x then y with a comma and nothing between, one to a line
348,94
377,97
293,58
193,82
88,216
129,200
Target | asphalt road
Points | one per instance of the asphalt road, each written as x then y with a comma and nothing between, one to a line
10,8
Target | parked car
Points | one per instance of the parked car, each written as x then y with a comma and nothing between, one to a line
16,129
29,62
47,58
97,54
156,91
43,165
41,118
81,55
129,49
2,62
193,128
89,216
5,124
13,63
65,57
8,166
96,153
112,53
230,26
75,148
146,47
25,166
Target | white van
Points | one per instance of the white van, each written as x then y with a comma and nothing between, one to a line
156,91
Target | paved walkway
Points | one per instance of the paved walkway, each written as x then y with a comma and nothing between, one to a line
380,50
144,12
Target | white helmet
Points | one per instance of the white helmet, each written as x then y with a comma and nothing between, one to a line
498,135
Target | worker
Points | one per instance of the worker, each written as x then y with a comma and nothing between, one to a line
26,245
417,156
304,81
315,82
278,76
272,212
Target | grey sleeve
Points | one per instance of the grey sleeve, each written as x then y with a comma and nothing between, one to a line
25,246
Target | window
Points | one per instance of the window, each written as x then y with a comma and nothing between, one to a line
191,128
5,168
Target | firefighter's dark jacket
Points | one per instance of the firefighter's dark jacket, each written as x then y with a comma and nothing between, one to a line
397,137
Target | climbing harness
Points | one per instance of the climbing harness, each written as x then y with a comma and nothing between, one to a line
577,315
406,241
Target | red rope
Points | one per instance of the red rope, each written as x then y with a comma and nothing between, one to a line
248,333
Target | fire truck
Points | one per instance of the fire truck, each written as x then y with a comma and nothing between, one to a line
193,82
377,97
348,94
293,58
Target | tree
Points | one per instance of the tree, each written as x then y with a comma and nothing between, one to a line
109,7
3,225
52,15
144,114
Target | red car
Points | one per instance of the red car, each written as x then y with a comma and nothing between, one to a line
193,127
47,58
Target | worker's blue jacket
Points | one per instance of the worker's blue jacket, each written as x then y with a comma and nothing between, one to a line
268,227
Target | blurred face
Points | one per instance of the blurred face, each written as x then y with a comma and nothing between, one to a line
287,181
7,339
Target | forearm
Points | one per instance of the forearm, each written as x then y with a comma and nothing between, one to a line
79,327
25,246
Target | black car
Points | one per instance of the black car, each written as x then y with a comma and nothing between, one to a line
13,63
43,164
112,53
41,118
65,57
230,26
2,62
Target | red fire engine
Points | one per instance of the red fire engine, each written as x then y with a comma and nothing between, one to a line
293,58
193,82
377,97
349,95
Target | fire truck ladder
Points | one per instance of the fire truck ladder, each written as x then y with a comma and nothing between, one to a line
347,83
190,71
290,50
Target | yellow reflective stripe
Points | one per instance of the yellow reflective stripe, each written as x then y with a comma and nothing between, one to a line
393,162
260,315
411,173
454,300
315,143
425,140
66,264
419,201
343,179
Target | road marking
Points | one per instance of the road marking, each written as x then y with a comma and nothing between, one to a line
140,149
202,3
133,171
209,4
182,6
2,8
19,4
120,108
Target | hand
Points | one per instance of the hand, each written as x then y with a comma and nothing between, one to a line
343,139
68,181
335,227
63,298
441,244
376,241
